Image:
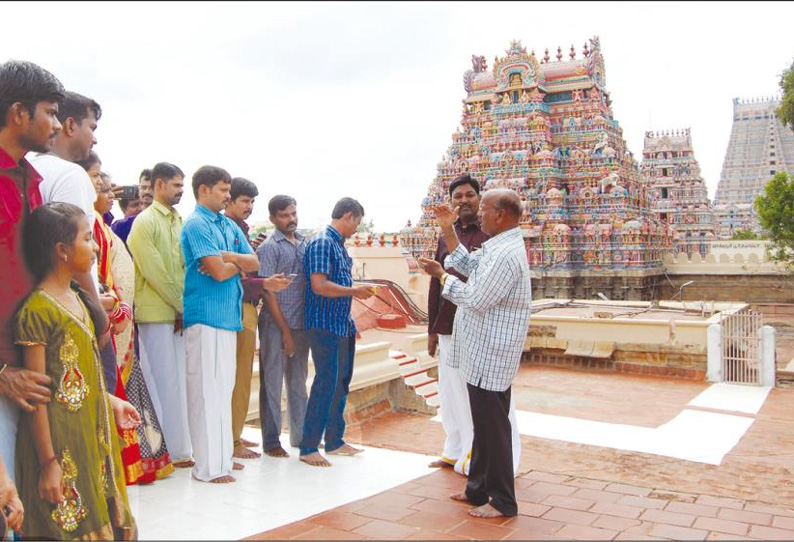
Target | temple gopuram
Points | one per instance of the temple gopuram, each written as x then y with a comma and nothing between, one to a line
760,146
545,128
680,197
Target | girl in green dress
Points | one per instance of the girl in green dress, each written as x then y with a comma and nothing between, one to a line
69,470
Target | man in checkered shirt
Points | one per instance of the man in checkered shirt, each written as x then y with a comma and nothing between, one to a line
488,339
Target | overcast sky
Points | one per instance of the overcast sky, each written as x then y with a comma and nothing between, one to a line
324,100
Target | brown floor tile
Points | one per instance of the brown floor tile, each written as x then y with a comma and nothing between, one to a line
597,495
448,507
571,503
546,477
286,531
770,533
783,523
642,502
765,509
432,520
714,535
720,502
328,533
535,526
481,529
629,490
344,521
386,530
660,516
584,532
433,492
722,525
615,523
538,491
691,508
532,509
570,516
429,534
587,483
677,532
384,512
744,516
619,510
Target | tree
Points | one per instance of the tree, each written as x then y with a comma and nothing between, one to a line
744,235
775,208
786,110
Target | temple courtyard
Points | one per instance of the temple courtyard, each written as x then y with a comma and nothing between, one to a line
605,456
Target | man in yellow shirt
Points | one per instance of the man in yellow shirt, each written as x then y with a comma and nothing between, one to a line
154,243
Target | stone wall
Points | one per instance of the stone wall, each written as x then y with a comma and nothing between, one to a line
752,288
623,285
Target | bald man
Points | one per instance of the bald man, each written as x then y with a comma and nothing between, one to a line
488,339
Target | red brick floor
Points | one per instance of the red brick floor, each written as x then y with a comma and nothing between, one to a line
574,491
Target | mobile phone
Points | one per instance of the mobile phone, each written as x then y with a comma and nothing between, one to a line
292,275
129,192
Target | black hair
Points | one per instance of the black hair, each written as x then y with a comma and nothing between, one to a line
77,107
163,170
146,174
464,179
243,187
28,84
48,224
279,203
209,176
124,203
93,158
347,205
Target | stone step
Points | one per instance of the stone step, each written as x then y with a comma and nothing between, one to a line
433,400
417,378
426,388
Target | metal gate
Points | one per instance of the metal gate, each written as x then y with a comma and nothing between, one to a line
742,347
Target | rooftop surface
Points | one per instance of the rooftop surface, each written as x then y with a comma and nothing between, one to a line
604,456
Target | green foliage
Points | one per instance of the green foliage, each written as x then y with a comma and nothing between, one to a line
786,110
744,235
775,209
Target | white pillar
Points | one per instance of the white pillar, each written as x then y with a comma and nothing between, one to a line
714,353
768,365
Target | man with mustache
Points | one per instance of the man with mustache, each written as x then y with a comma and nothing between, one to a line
243,194
29,100
464,193
154,243
284,345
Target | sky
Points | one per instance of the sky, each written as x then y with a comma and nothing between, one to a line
325,100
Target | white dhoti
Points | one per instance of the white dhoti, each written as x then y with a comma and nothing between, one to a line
211,367
162,360
456,414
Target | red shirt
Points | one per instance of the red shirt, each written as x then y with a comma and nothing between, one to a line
19,184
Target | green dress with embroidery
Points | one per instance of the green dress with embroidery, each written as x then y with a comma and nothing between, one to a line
83,432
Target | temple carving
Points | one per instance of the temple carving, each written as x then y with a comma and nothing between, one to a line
759,146
545,128
680,197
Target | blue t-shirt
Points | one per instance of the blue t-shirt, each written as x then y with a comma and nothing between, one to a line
326,253
207,301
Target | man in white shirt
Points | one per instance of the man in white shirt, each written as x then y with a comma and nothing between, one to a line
64,180
488,336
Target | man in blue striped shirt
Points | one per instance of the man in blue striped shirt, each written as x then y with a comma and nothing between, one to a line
216,254
332,332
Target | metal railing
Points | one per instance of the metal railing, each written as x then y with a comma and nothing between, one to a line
742,347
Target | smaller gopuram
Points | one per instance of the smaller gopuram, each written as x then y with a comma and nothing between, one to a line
680,197
545,128
760,146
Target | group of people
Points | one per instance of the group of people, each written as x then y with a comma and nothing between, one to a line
127,346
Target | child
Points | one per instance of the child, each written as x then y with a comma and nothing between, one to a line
68,470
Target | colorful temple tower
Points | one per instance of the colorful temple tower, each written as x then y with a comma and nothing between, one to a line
760,146
545,128
680,197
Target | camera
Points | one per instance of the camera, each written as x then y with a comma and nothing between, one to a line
129,192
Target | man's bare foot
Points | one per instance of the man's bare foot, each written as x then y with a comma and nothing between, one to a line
247,443
244,453
184,464
315,460
278,451
223,480
439,464
459,496
485,511
345,449
237,466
